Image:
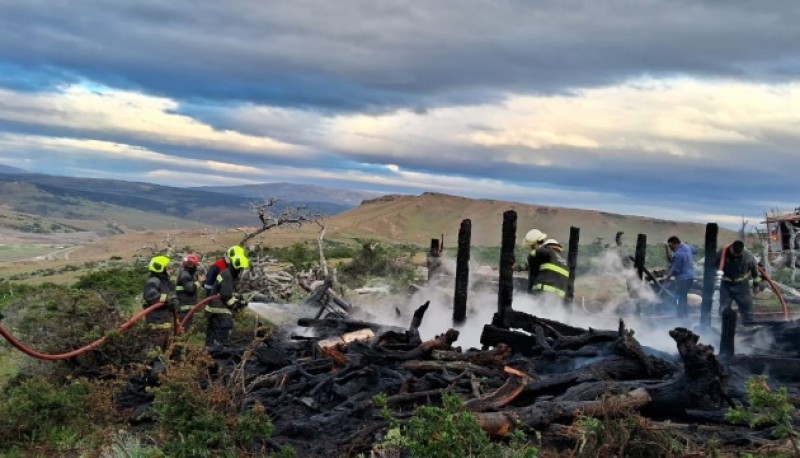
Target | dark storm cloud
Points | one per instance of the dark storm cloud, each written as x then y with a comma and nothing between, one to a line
365,55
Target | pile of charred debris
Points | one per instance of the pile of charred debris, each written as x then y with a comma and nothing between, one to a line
532,373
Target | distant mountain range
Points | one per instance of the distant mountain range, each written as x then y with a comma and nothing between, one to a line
40,203
296,193
43,204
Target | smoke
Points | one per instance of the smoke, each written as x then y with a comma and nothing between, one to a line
610,291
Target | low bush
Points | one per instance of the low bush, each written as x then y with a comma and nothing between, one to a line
448,431
39,411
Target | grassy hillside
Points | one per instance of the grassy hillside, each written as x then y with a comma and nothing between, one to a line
417,219
35,203
30,209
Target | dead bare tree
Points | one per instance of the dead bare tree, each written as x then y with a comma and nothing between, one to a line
288,216
168,247
742,231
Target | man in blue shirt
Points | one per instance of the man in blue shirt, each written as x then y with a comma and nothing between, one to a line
682,269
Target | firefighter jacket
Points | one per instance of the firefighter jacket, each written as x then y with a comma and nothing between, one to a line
547,271
186,289
739,269
211,276
157,289
225,286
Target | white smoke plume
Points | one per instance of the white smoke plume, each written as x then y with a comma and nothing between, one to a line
616,292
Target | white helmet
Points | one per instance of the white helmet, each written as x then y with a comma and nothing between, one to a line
552,242
533,237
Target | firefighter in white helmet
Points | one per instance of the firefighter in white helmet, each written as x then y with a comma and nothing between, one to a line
547,271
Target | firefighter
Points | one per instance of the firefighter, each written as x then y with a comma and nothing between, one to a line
158,288
220,310
737,267
220,265
547,271
188,285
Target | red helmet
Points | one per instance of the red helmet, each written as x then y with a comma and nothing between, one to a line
191,261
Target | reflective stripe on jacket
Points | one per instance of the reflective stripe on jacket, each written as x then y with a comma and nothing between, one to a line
224,286
547,271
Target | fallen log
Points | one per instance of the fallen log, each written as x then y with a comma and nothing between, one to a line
542,413
502,396
701,382
440,342
338,326
417,367
493,357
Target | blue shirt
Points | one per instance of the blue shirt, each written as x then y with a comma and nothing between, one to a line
682,266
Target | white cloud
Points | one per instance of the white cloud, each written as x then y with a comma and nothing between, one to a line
126,113
640,125
93,150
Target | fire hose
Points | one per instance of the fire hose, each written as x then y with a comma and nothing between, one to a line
79,351
766,278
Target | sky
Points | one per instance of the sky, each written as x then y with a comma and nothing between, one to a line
677,109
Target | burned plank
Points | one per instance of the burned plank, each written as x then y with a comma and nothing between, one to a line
502,396
542,413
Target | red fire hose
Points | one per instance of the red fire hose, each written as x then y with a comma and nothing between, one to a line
194,310
136,317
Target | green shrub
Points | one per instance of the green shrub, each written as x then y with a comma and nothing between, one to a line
40,411
767,408
199,417
375,259
627,434
117,285
447,432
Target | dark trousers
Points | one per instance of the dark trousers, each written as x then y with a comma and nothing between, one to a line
682,288
220,326
740,293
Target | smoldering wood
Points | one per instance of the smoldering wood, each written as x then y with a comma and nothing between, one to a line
709,274
726,344
533,372
638,263
328,293
542,413
462,272
502,396
505,292
640,255
572,263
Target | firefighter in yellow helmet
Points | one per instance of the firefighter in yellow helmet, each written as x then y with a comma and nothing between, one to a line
220,310
158,288
547,270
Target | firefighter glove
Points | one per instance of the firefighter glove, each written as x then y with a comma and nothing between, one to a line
174,303
239,302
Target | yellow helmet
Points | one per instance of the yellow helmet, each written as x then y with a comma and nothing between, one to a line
533,237
235,250
158,264
239,261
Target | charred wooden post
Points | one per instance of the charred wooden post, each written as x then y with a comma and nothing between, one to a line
462,272
709,274
434,258
726,345
572,263
640,255
638,262
506,287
